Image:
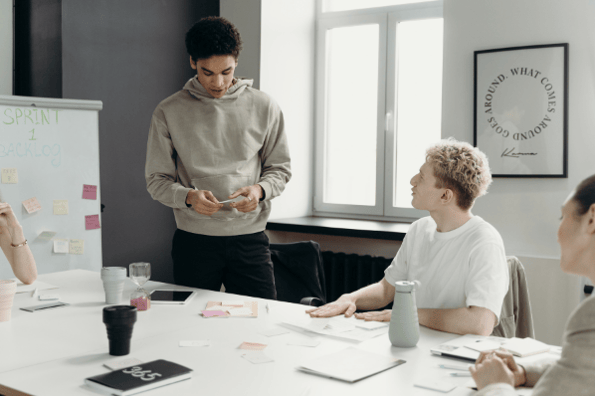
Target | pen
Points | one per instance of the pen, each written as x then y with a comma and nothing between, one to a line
268,309
454,366
461,374
34,293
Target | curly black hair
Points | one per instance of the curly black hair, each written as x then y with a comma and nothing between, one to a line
213,36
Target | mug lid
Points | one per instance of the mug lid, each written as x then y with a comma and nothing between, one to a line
406,286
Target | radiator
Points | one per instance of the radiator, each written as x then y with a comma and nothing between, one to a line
345,273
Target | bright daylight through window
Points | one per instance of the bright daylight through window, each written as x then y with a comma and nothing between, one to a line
379,100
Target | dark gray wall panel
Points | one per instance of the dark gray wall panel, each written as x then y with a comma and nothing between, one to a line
131,55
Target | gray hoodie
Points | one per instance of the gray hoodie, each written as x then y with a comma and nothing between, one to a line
219,145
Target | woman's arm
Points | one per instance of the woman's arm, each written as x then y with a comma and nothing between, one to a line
12,242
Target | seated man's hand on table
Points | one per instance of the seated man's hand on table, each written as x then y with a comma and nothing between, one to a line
343,305
375,316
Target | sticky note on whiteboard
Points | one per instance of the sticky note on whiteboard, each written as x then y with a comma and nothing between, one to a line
47,235
77,246
60,206
92,222
10,176
61,246
32,205
89,191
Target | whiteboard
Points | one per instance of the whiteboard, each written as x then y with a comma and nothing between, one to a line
54,146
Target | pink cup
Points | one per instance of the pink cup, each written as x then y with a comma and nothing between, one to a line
8,288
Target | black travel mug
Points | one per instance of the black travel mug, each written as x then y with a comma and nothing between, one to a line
119,321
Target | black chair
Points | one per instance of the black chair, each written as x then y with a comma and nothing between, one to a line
299,272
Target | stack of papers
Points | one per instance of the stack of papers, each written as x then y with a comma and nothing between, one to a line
247,309
341,327
349,365
524,346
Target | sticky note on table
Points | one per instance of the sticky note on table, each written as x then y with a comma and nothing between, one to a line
92,222
208,314
233,303
61,246
60,206
257,357
10,176
32,205
252,346
240,311
47,235
77,246
89,191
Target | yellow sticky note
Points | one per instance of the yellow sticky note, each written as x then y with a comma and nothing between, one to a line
10,176
60,206
77,246
32,205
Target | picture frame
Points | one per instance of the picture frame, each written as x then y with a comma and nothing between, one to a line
521,110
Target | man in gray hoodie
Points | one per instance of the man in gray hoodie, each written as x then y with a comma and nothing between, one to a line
219,139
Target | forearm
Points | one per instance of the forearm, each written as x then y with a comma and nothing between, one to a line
20,258
472,320
374,296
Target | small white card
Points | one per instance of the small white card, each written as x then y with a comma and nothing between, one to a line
48,296
257,357
304,342
274,332
240,311
195,343
233,303
371,325
433,384
61,246
216,308
118,364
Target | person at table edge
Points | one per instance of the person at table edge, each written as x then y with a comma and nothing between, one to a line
459,258
217,139
496,372
15,246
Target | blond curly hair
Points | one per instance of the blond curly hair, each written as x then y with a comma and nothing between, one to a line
462,168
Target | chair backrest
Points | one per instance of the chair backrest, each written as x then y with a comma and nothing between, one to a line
516,319
299,271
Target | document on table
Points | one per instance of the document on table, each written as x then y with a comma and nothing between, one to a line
22,288
340,327
351,364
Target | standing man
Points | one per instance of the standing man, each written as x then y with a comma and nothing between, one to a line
219,139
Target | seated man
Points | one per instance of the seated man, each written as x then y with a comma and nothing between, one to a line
458,257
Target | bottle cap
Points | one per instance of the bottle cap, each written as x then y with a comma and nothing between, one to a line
406,286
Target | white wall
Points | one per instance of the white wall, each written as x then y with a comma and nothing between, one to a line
526,211
245,15
287,74
6,47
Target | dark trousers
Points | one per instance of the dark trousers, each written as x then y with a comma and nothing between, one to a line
242,263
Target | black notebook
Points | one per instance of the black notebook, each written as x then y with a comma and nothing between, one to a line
139,378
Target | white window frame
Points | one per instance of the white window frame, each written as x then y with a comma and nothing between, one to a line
387,19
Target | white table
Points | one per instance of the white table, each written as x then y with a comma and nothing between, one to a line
51,352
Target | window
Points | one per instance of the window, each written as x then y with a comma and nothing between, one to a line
378,104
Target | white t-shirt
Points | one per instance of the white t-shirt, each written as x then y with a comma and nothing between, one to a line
457,269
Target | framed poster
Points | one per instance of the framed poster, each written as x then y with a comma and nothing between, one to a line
521,110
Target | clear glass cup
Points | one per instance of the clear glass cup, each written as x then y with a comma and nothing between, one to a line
140,273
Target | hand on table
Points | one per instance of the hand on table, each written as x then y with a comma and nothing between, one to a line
376,316
203,202
497,366
252,193
342,305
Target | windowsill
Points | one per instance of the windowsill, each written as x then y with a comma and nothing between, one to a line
391,231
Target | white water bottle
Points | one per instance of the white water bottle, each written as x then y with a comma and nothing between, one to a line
404,323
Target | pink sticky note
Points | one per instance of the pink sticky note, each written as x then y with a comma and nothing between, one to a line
32,205
92,222
253,346
89,191
208,314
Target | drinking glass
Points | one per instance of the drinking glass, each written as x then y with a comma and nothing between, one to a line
140,273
